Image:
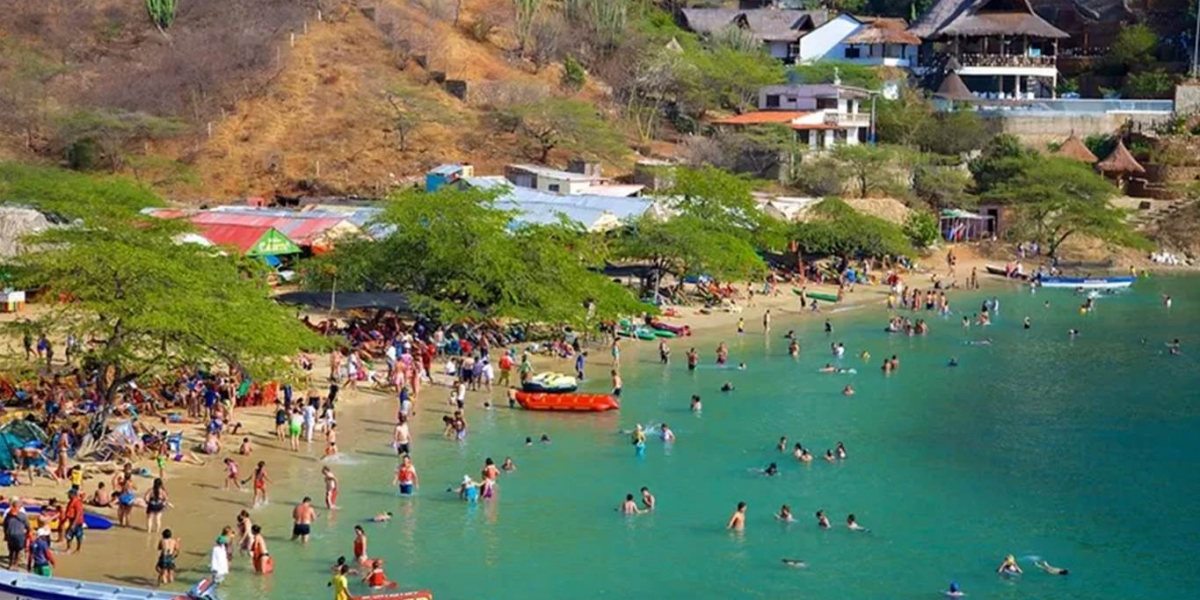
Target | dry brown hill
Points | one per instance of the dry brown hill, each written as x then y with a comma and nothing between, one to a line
309,103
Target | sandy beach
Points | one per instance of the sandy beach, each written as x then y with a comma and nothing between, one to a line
201,508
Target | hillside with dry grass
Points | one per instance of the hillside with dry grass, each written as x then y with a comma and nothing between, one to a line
263,97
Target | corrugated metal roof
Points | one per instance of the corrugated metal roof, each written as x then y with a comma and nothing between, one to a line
555,173
447,169
301,229
537,207
242,237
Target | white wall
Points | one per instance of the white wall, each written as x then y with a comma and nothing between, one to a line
565,186
821,42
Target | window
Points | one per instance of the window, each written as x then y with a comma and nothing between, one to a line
772,101
553,187
853,52
793,49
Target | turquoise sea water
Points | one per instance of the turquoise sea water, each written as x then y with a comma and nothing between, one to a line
1081,451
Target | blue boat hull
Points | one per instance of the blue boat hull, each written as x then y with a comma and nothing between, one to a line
1088,282
24,586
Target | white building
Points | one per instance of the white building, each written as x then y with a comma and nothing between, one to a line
869,41
821,115
580,178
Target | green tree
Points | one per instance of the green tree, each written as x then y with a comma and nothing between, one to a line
74,196
1059,197
826,71
573,75
720,198
836,229
525,19
688,245
943,187
456,255
952,133
868,166
1150,84
921,227
567,124
152,304
1002,158
902,120
1134,47
729,78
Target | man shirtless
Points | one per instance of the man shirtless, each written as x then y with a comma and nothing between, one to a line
302,518
737,522
401,438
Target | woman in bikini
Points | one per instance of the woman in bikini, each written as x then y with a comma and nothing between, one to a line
156,503
168,550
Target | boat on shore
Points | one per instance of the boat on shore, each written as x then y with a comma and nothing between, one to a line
994,270
566,402
1088,283
414,595
90,520
26,586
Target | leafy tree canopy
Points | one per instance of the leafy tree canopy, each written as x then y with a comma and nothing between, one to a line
73,195
836,229
827,71
730,78
458,256
151,304
567,124
1058,197
690,245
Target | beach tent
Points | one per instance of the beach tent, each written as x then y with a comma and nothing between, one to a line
249,240
960,225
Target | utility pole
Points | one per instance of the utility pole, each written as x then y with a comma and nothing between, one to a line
873,96
1196,44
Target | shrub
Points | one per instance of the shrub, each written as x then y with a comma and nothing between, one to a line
921,227
573,75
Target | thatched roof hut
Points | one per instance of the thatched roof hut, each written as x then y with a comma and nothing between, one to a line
1074,148
17,223
953,88
1120,162
976,18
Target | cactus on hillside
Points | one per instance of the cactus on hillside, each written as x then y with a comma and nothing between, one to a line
162,12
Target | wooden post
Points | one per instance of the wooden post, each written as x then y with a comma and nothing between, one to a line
319,15
292,39
209,127
306,27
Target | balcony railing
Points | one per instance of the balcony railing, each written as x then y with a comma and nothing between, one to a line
999,60
841,119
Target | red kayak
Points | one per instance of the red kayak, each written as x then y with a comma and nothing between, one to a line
567,402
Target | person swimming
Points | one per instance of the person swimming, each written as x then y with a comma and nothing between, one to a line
853,525
822,520
696,406
848,390
727,386
382,517
545,439
1009,566
955,591
771,470
791,562
785,514
1047,567
741,366
953,362
782,445
986,342
841,451
829,456
1073,333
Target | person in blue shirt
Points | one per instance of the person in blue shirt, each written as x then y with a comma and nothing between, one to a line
579,360
41,559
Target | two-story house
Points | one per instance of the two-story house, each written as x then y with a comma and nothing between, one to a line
821,116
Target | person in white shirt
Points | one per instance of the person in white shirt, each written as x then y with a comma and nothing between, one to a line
390,353
218,563
310,421
488,374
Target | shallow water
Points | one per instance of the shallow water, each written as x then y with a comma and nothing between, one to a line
1079,451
